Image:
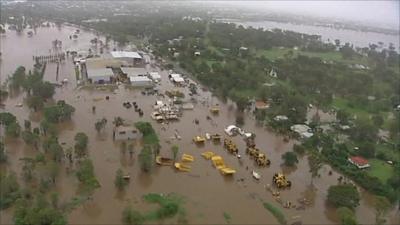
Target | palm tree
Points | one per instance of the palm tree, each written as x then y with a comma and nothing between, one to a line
315,163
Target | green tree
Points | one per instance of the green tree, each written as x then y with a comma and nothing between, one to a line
119,181
9,189
44,90
3,155
290,158
378,120
35,102
342,116
146,159
52,169
315,164
7,118
346,216
299,149
27,125
31,139
175,150
118,121
81,142
86,177
13,130
132,217
343,195
101,124
38,211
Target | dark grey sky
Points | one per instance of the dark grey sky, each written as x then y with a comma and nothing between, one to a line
376,12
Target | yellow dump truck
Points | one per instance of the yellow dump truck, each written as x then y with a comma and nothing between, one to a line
199,140
214,109
208,155
227,171
187,158
182,167
216,137
230,146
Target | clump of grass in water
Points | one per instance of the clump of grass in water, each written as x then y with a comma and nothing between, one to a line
276,212
170,205
227,218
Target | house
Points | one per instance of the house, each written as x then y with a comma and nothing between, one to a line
303,130
155,76
261,105
125,133
133,71
273,73
130,58
280,118
99,75
140,81
196,53
359,161
176,78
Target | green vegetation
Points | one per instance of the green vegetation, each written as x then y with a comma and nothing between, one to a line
59,112
380,169
346,216
119,181
175,150
170,206
100,125
227,217
149,135
276,212
9,190
146,159
3,155
344,195
86,177
290,159
81,142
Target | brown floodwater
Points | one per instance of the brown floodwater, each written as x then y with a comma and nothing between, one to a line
207,193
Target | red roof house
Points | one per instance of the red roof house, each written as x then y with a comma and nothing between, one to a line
359,161
261,105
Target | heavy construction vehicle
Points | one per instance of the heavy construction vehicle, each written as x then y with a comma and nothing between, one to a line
187,158
199,140
216,137
262,160
219,163
182,167
230,146
214,109
253,152
280,180
208,155
162,161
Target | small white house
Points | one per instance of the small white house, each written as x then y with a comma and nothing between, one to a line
303,130
100,75
133,71
140,81
125,133
155,76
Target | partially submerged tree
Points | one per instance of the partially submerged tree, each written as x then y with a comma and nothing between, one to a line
146,159
175,150
343,195
81,142
119,181
290,159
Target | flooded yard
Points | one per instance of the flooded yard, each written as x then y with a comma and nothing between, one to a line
207,193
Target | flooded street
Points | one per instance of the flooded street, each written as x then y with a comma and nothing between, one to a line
207,193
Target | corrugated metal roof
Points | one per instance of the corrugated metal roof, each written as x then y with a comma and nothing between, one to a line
139,79
125,54
100,72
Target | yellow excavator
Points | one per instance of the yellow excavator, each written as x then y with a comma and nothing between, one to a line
280,181
219,163
208,155
216,137
214,109
230,146
187,158
262,160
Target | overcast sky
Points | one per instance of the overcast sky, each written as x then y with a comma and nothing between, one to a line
377,12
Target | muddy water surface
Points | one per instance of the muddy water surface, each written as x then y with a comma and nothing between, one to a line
207,193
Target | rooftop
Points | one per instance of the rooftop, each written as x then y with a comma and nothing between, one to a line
359,160
125,54
138,79
99,72
133,71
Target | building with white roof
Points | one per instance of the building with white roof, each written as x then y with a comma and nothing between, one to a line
140,81
131,58
303,130
133,71
155,76
100,75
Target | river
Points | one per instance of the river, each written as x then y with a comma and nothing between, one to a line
328,34
207,193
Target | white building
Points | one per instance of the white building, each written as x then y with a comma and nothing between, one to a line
176,78
100,75
140,81
155,76
131,58
125,133
303,130
133,71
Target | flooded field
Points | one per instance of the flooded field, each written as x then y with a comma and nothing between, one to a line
207,193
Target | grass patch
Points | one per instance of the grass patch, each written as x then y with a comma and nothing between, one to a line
380,169
276,212
344,104
279,53
227,217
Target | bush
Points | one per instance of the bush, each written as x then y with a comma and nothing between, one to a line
345,195
276,212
